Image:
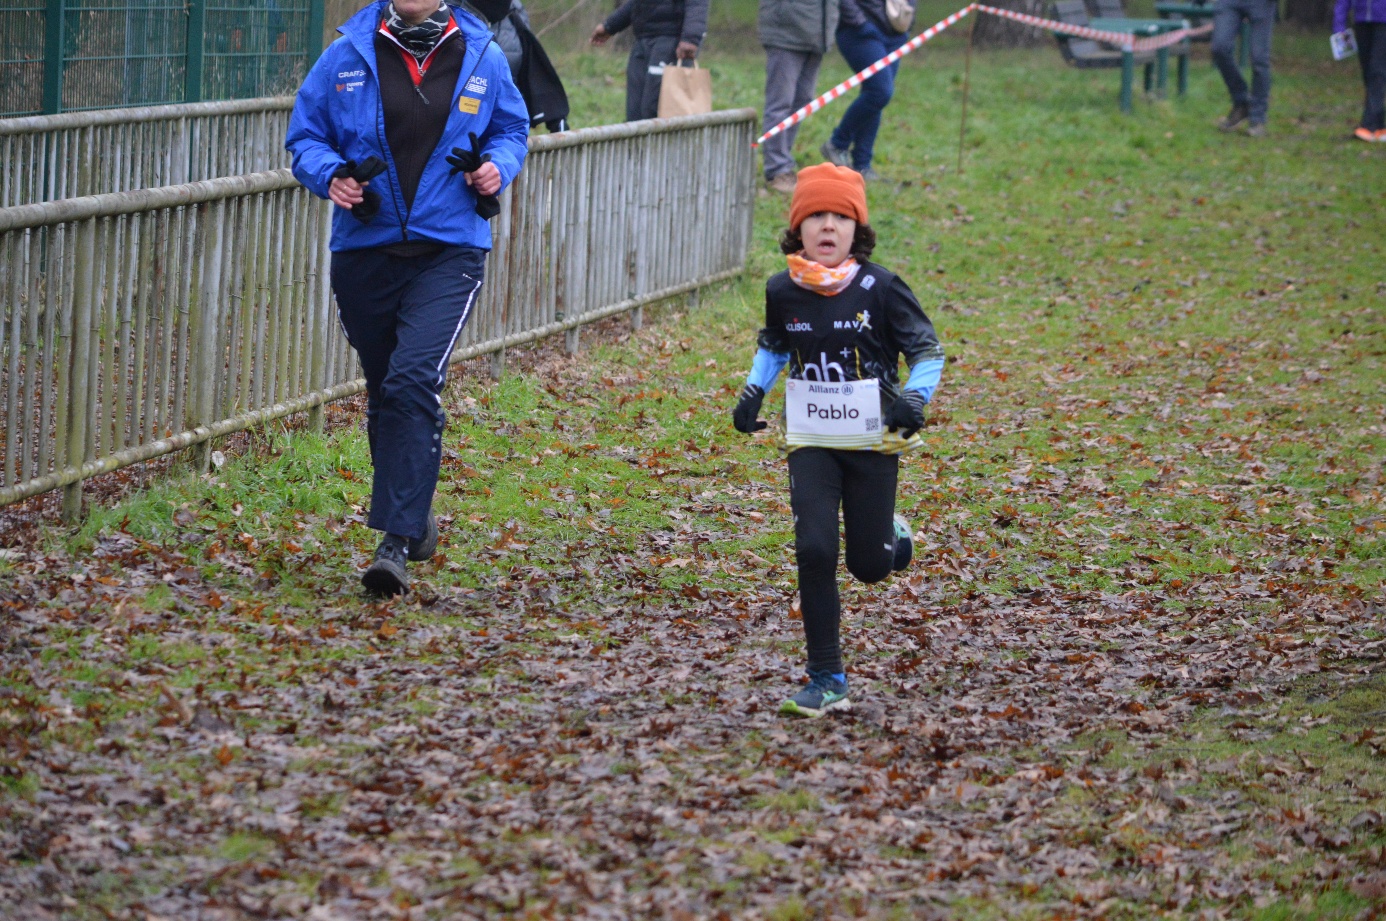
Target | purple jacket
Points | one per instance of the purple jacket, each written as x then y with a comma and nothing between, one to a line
1362,11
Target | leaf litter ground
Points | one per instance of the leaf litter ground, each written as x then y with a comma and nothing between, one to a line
1135,669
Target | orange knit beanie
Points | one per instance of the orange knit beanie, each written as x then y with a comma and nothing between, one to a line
826,187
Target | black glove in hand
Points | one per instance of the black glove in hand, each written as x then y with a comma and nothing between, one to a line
363,172
469,161
747,409
906,414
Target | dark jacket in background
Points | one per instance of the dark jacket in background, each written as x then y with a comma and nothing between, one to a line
685,19
798,25
499,14
535,76
538,81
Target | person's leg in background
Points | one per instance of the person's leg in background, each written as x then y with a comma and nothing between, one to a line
637,75
786,73
805,89
1261,16
1227,24
862,46
1371,51
642,89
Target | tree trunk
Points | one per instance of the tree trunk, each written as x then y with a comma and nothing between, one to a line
1309,12
996,32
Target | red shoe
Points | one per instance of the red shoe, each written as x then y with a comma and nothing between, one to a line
1370,136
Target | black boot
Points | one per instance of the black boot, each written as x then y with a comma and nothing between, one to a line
386,575
422,548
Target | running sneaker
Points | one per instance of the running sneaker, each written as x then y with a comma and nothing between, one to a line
870,175
904,543
1256,130
823,693
1370,136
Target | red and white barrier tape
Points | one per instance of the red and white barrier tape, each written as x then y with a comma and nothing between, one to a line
858,78
1124,40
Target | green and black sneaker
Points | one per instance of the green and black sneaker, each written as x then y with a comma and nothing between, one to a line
904,543
824,692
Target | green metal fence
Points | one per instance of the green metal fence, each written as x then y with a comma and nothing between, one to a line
71,55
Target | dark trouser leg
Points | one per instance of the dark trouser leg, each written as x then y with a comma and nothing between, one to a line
868,507
1227,23
1371,51
402,316
637,73
642,87
368,285
786,75
862,46
1261,16
815,493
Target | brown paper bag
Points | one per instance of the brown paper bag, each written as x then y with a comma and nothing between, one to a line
685,91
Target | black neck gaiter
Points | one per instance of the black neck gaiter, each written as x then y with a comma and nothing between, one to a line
418,39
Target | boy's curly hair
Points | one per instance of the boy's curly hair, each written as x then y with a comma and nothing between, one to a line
863,242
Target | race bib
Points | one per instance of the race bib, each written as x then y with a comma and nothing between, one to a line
841,414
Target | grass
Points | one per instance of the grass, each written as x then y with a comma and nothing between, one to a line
1158,446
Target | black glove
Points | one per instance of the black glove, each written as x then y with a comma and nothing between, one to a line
747,409
469,161
906,413
363,172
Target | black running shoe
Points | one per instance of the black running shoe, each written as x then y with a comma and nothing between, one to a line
904,543
422,548
386,575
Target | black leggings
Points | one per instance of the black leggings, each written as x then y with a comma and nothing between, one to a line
862,483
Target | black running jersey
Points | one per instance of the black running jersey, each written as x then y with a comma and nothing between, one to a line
858,334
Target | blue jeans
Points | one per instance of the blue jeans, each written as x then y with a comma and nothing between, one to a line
862,46
1227,22
402,315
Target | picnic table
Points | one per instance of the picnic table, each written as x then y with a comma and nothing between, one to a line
1143,28
1196,13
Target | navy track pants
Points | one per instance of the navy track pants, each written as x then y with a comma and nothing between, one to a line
402,315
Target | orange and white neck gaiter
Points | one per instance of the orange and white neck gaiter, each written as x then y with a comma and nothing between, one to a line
819,278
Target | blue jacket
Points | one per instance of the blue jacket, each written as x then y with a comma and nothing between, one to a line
338,117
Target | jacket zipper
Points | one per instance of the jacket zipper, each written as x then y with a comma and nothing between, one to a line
380,127
380,136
